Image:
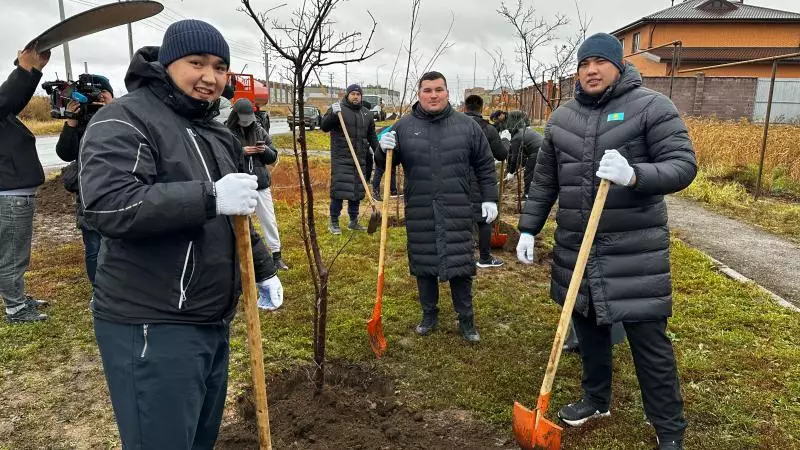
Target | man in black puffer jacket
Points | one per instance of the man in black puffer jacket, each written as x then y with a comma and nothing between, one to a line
473,105
158,180
345,182
440,149
633,136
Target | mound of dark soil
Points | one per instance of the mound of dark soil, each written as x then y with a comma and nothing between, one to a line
358,409
53,199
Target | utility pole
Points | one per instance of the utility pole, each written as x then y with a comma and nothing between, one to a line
67,60
266,59
333,94
475,71
345,76
130,37
85,67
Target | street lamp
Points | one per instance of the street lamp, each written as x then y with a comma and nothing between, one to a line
377,81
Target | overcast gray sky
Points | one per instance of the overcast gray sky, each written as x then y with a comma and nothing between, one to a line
477,26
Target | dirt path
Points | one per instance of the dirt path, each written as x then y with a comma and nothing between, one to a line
769,260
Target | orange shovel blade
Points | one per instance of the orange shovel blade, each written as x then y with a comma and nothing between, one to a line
542,436
499,240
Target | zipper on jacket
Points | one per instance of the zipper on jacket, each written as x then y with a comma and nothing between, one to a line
193,137
182,298
144,334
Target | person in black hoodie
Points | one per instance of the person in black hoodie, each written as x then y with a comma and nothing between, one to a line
20,174
257,153
499,144
67,148
158,179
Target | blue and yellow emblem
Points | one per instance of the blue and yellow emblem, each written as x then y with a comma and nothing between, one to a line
615,117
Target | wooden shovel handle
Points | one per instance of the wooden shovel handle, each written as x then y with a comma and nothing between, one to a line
355,159
250,296
574,286
384,219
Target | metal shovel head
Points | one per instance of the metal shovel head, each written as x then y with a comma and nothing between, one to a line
94,20
544,436
374,221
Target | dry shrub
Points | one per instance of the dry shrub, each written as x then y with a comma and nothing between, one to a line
37,109
286,185
724,145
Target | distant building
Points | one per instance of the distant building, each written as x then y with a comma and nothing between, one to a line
714,32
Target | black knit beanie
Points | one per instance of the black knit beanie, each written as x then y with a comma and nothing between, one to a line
192,37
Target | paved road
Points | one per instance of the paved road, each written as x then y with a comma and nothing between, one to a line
46,145
767,259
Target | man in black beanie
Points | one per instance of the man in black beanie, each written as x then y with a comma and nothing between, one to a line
345,182
618,130
159,181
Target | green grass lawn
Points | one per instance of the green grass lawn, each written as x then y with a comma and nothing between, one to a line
738,353
316,140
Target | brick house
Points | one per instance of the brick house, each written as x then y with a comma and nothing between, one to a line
714,32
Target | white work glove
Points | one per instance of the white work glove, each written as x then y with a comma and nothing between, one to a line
236,194
270,294
388,141
336,108
489,211
505,134
615,168
509,177
525,248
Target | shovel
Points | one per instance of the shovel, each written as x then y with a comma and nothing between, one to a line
375,327
499,239
245,251
531,429
375,217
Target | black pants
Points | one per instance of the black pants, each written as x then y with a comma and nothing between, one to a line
336,209
484,240
167,383
656,370
376,180
460,287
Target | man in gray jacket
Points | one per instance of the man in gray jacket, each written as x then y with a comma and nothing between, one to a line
634,137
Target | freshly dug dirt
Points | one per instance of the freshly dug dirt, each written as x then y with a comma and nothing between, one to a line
53,199
358,409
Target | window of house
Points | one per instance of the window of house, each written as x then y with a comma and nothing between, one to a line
636,37
622,42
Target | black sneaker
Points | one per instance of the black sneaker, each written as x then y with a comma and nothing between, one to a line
427,325
491,262
26,314
35,302
334,228
578,413
355,226
468,331
670,445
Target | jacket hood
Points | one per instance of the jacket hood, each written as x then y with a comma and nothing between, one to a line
145,71
420,112
629,79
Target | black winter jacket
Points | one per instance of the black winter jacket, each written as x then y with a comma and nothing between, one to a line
68,148
628,274
525,144
499,150
345,183
438,153
148,166
19,163
254,164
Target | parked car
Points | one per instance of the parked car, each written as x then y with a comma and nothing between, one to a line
312,118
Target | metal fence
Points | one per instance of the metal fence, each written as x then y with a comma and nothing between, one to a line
785,101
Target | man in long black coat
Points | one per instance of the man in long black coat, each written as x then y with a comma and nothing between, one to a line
439,148
345,182
617,130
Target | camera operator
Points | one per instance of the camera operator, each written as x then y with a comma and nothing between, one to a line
20,174
67,149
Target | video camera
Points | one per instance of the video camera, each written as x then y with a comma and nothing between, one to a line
86,91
